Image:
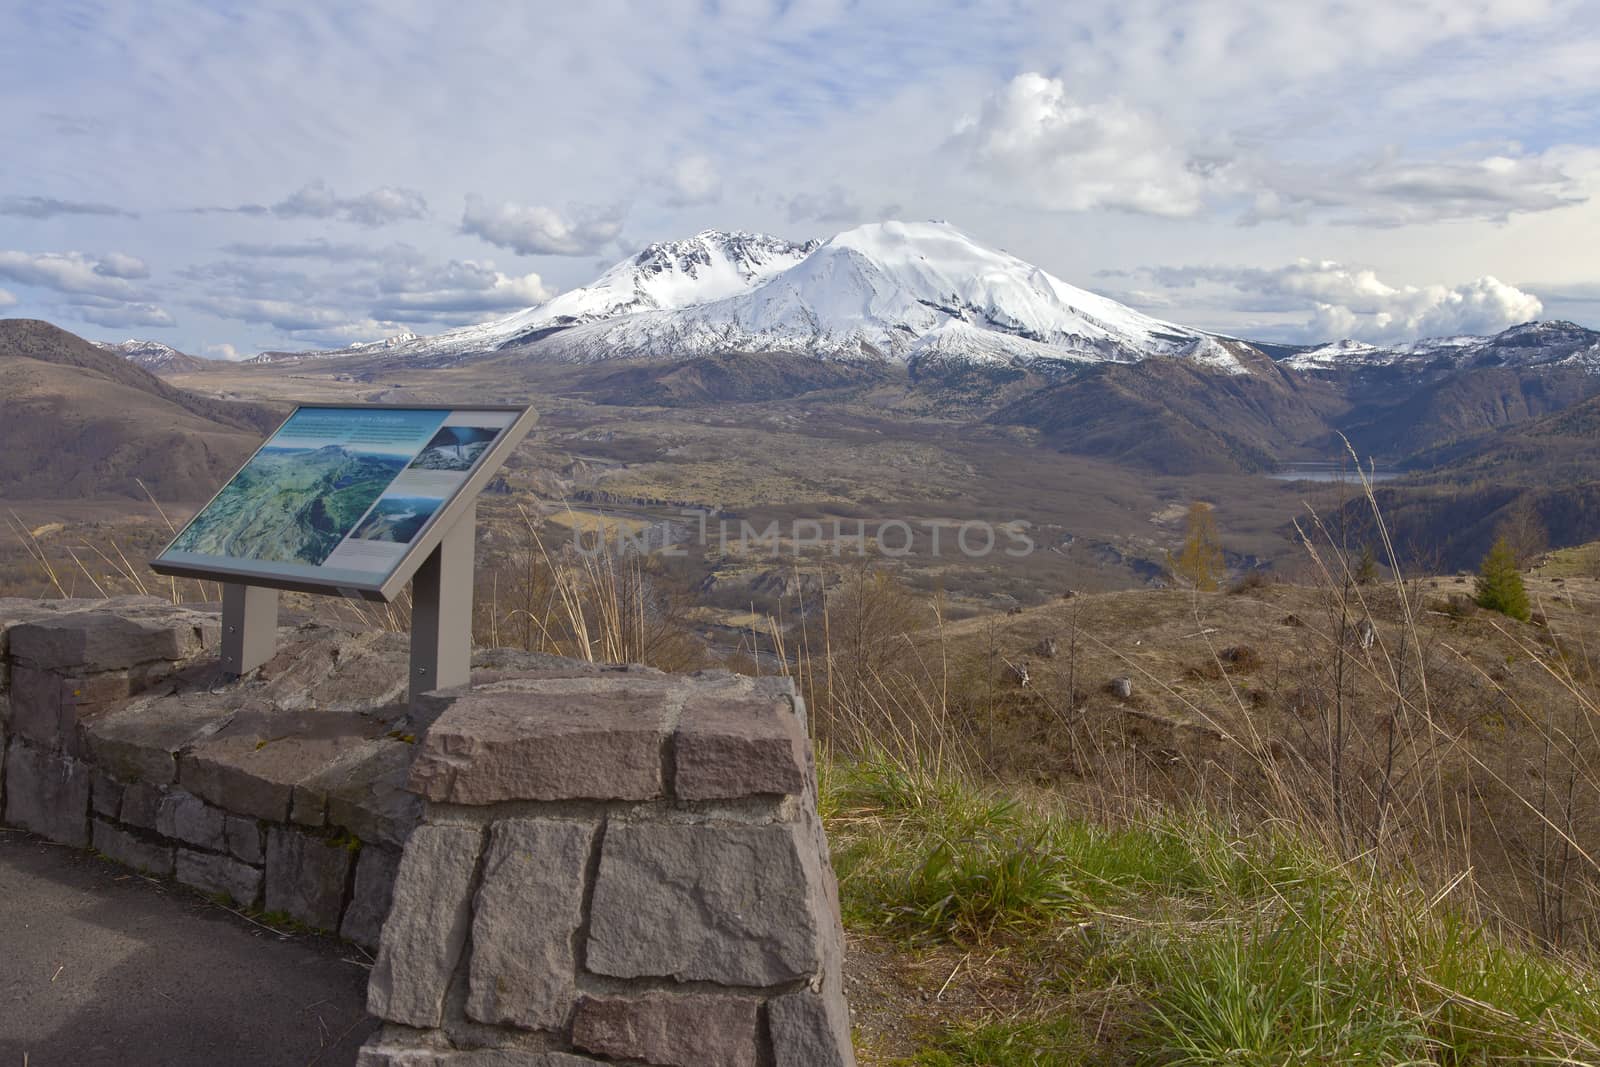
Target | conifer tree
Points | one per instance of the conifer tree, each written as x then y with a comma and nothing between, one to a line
1200,562
1367,568
1500,585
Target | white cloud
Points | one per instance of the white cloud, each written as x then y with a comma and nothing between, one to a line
459,286
225,352
382,205
6,299
123,315
1395,191
692,180
1045,148
1343,301
291,316
73,272
118,265
536,230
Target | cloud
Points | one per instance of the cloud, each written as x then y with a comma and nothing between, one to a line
291,316
833,205
383,205
361,303
75,272
1395,191
46,207
224,351
1344,301
320,248
692,180
317,200
458,286
7,299
118,265
536,230
122,315
1046,149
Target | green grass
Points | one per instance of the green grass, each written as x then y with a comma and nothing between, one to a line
1182,942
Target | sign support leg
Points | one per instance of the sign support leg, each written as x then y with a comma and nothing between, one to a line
249,627
441,611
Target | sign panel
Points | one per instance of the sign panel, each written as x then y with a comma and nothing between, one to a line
340,497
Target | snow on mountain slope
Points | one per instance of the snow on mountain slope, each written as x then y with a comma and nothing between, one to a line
669,274
1529,344
898,291
153,356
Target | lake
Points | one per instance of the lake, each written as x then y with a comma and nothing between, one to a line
1325,471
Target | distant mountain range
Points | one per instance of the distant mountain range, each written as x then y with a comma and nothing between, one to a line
917,294
155,357
920,295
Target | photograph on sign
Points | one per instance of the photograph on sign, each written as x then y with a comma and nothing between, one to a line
338,495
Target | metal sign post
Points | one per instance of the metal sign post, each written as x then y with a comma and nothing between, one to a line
249,627
441,611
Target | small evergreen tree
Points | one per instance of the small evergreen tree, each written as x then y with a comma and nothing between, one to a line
1367,568
1200,562
1500,582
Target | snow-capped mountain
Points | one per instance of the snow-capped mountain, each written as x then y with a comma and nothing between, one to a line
903,292
154,356
665,276
894,291
1526,345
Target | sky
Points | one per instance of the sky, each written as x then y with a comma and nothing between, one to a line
230,178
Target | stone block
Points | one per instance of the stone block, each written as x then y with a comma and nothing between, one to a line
105,794
696,1030
210,873
244,839
52,709
187,818
38,698
306,877
733,748
141,804
105,640
376,868
130,850
364,791
584,738
427,925
253,765
48,793
370,799
810,1029
139,741
735,904
528,910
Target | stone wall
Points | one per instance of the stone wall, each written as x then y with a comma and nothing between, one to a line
599,864
284,793
627,868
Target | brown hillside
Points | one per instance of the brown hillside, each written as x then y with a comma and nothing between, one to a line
77,422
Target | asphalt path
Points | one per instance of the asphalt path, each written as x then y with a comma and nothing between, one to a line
102,966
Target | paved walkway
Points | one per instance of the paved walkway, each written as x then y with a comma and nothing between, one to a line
100,966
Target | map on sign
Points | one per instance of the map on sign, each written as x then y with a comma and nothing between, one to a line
338,495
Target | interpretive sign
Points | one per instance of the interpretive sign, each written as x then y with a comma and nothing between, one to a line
340,498
354,502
